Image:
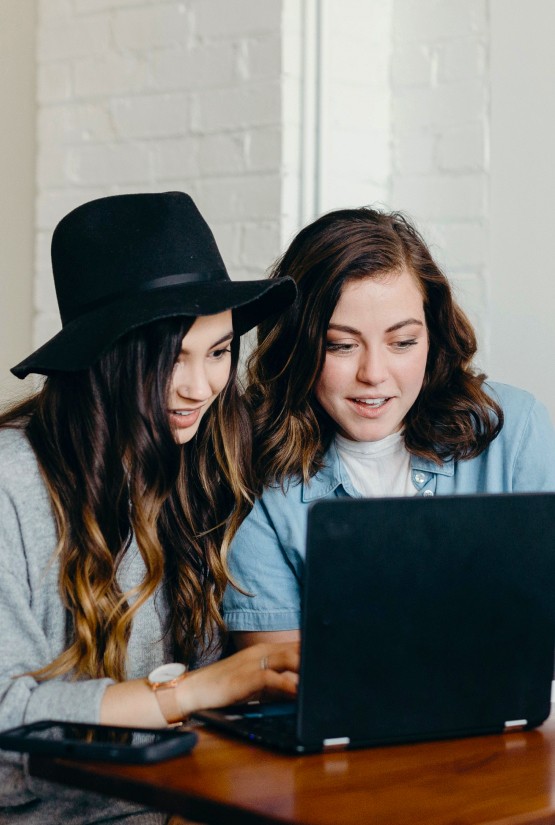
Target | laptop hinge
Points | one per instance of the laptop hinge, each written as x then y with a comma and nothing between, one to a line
515,724
339,743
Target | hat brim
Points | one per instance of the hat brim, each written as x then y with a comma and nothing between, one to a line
83,341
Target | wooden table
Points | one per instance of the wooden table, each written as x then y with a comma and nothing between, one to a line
501,780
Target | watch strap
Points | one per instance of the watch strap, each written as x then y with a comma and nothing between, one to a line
166,695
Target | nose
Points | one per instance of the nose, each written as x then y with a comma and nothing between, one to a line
191,382
372,367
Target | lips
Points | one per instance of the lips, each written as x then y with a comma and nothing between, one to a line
180,419
370,407
371,402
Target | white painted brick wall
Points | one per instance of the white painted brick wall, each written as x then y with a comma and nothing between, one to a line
335,107
153,95
215,18
355,145
157,25
427,21
69,37
224,99
199,66
439,133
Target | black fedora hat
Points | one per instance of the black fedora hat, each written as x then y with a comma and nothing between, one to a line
123,261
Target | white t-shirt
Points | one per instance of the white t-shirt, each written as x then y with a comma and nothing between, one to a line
378,468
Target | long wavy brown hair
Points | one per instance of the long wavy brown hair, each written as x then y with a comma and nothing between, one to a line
453,417
113,470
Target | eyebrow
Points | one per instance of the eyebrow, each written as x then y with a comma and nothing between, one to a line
393,328
227,337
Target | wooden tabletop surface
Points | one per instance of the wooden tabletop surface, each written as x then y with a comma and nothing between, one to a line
498,780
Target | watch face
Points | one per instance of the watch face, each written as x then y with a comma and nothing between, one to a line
166,673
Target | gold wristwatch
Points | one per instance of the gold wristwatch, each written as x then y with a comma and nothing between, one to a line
163,681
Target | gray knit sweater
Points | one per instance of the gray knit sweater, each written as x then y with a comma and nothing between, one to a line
33,633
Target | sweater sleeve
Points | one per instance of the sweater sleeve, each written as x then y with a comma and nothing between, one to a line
32,619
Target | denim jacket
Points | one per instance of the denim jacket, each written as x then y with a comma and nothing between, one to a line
267,555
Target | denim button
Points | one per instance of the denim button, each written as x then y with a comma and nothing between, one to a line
428,493
419,478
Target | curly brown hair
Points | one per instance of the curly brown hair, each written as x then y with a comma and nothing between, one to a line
113,469
453,416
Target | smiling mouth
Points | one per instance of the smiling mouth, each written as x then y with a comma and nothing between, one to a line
183,412
373,403
181,419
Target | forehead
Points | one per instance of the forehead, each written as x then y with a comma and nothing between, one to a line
208,329
390,290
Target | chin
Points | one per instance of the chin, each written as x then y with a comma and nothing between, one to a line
373,436
183,437
374,433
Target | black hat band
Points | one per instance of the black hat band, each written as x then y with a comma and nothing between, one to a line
146,286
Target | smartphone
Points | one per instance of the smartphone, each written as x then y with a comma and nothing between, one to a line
99,742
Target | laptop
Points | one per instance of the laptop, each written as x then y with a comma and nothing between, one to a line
422,618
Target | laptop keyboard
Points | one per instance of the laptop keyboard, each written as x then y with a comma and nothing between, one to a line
272,724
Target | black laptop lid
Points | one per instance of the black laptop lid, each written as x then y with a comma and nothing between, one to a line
427,617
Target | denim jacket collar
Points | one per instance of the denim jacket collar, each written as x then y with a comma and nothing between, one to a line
333,475
446,468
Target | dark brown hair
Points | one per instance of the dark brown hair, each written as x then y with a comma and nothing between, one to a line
453,417
113,469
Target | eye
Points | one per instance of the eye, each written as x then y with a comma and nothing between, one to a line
218,354
333,346
404,345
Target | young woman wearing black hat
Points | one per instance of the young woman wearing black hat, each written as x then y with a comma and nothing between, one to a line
123,480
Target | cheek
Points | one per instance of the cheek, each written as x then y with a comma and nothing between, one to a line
416,371
329,382
173,383
220,377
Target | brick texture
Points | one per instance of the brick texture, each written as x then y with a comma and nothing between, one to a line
269,116
439,134
154,95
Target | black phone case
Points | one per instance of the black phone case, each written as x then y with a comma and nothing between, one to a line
30,739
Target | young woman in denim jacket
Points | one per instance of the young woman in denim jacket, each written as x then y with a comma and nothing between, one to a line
366,386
